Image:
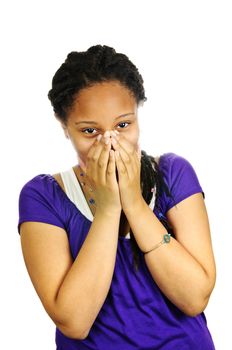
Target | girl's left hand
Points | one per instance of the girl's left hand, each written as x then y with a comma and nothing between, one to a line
128,166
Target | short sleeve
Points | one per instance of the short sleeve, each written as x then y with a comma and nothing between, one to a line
38,202
180,177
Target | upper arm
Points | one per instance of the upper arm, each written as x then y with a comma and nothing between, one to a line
47,257
190,224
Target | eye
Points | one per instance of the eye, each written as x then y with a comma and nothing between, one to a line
91,129
88,132
123,123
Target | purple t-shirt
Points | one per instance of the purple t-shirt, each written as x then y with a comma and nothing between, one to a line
135,314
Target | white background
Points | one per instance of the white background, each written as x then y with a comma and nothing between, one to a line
183,51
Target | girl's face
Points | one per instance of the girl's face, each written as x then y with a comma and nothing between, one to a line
104,106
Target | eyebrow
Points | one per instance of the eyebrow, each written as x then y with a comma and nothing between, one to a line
93,122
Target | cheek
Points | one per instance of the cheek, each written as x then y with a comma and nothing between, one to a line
133,138
82,152
82,146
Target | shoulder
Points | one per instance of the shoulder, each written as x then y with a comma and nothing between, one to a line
170,159
42,183
180,177
41,199
59,180
174,165
42,189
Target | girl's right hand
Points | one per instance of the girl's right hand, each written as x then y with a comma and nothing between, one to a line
101,173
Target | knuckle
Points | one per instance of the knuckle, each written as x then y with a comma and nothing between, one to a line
100,165
94,159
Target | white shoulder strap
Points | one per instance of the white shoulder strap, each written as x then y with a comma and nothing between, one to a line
74,192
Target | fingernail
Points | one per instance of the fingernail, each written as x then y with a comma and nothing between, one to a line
117,132
107,140
99,137
107,133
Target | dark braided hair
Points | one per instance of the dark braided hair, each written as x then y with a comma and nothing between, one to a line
99,64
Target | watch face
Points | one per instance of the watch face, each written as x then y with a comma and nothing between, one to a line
167,238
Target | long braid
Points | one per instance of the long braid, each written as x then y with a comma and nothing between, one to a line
151,178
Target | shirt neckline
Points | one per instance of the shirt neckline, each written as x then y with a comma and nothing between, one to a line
122,238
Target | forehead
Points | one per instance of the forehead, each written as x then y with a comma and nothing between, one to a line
106,96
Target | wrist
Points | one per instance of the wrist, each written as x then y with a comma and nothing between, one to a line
108,213
136,208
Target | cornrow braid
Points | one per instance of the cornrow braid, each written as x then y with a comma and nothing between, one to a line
99,64
84,69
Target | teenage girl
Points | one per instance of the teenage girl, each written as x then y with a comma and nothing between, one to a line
118,247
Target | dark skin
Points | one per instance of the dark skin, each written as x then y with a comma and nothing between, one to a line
124,226
189,255
102,104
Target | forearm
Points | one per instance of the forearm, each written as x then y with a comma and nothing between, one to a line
180,277
87,283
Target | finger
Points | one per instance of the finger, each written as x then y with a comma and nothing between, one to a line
128,155
102,162
92,158
134,151
93,148
98,147
111,169
122,171
122,142
128,162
